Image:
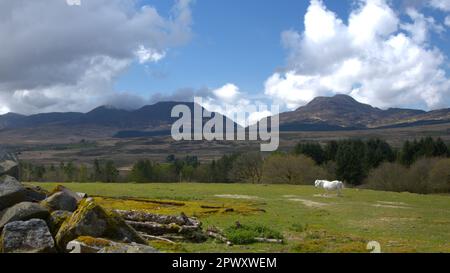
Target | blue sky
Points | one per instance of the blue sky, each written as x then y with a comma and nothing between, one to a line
127,53
235,41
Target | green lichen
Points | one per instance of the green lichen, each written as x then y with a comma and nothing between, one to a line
56,220
90,219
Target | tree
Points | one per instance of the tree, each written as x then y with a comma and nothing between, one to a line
331,150
38,173
377,151
291,169
110,172
313,150
187,173
98,173
407,153
440,149
142,172
424,148
83,174
247,168
69,171
350,162
220,169
181,166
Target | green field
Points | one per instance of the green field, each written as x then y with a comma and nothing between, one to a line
309,220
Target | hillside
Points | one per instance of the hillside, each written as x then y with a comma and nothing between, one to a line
342,112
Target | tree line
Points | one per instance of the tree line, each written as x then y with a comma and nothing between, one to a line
372,163
70,172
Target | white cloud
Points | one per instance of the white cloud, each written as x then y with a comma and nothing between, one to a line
440,4
227,92
71,58
421,26
447,21
375,57
4,110
228,100
146,55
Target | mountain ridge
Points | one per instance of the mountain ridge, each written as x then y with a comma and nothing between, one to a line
340,112
344,112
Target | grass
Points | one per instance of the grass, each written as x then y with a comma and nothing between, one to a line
246,234
307,220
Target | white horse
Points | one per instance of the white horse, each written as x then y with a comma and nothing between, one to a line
330,186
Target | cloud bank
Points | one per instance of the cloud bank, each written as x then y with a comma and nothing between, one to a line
375,57
60,57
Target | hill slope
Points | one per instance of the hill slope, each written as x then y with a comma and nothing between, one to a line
342,112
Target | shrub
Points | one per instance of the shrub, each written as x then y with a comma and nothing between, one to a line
247,168
419,173
427,175
291,169
388,177
439,177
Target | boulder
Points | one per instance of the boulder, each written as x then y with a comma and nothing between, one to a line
22,212
128,248
86,244
61,201
90,219
77,196
11,192
9,164
35,193
56,219
31,236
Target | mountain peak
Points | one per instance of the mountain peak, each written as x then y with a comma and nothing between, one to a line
339,99
339,103
106,108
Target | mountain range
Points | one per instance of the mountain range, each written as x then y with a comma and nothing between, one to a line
340,112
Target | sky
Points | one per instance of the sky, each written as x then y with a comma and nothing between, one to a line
75,55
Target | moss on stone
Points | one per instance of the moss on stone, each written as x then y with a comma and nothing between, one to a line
94,242
90,219
56,220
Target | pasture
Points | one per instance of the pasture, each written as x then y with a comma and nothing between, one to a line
309,220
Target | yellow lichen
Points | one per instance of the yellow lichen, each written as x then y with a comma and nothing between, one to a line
169,207
91,241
